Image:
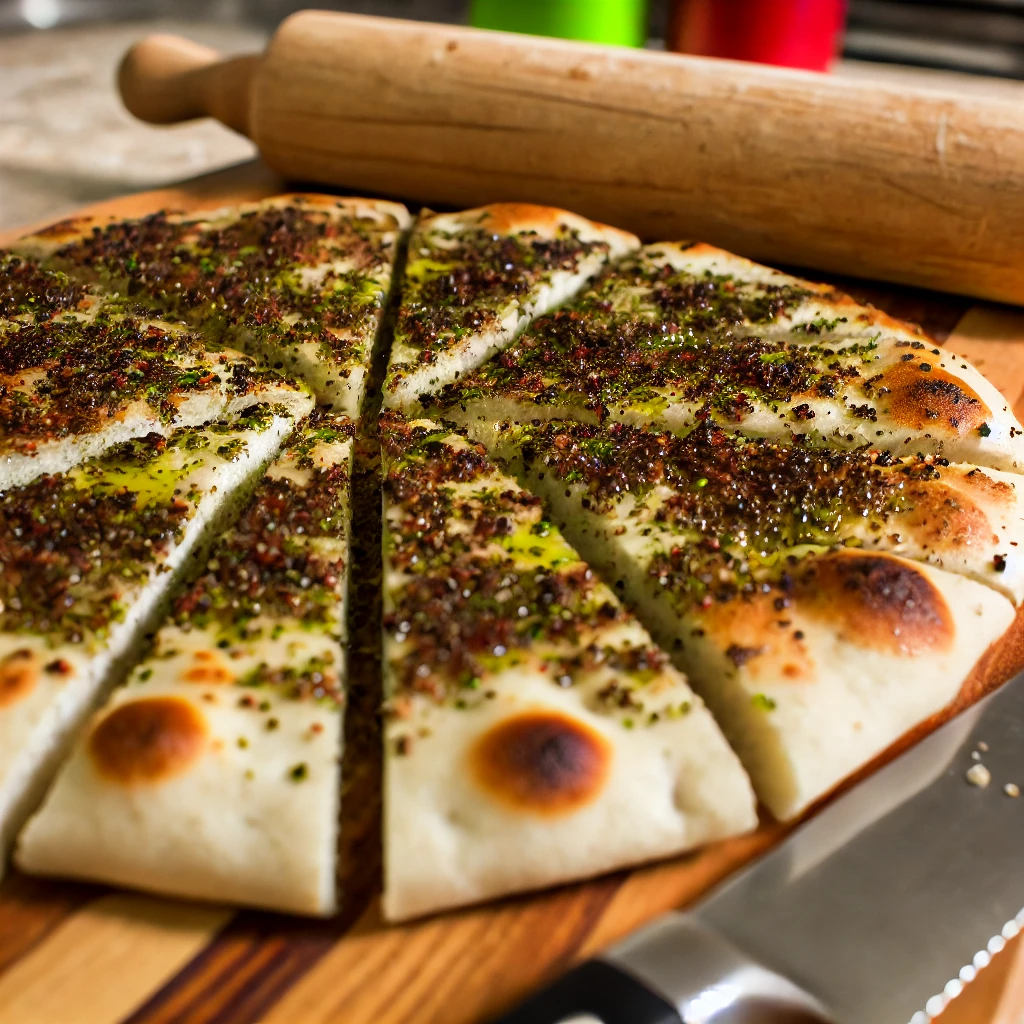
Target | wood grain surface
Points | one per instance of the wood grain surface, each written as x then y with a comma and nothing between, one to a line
79,954
912,182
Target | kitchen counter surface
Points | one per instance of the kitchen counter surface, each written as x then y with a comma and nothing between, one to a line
65,139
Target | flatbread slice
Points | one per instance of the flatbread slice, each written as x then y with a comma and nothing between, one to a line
679,332
301,280
88,560
475,279
214,773
813,656
747,499
77,375
534,734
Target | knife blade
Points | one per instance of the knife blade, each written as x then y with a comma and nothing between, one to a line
876,911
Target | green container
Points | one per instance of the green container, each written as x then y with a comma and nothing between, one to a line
621,22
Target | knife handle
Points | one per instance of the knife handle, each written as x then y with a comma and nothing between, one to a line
674,971
594,991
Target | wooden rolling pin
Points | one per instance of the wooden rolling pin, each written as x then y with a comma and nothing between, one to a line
912,185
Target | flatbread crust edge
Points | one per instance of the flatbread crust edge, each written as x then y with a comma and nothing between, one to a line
46,240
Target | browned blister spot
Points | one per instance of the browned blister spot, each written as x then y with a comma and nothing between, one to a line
148,741
542,763
931,400
944,519
980,485
64,230
875,601
757,638
19,673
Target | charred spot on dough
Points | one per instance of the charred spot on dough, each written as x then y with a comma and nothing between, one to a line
977,481
19,673
62,230
931,399
944,518
876,601
754,641
541,763
148,741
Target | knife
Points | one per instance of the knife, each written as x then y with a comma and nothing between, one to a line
879,910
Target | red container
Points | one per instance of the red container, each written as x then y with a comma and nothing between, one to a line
791,33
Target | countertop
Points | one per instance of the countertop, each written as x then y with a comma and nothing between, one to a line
65,139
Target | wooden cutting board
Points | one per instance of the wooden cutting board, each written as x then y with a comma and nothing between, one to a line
82,954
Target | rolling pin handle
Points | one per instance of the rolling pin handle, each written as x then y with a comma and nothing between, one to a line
165,79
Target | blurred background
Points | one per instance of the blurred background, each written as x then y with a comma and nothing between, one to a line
65,141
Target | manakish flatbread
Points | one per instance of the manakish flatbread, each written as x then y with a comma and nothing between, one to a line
679,331
77,375
299,279
474,279
534,733
812,660
214,773
88,559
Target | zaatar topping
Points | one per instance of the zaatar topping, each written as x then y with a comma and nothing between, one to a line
486,579
645,334
315,679
27,290
72,545
247,273
91,372
452,288
729,489
268,566
319,430
711,302
729,511
69,373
